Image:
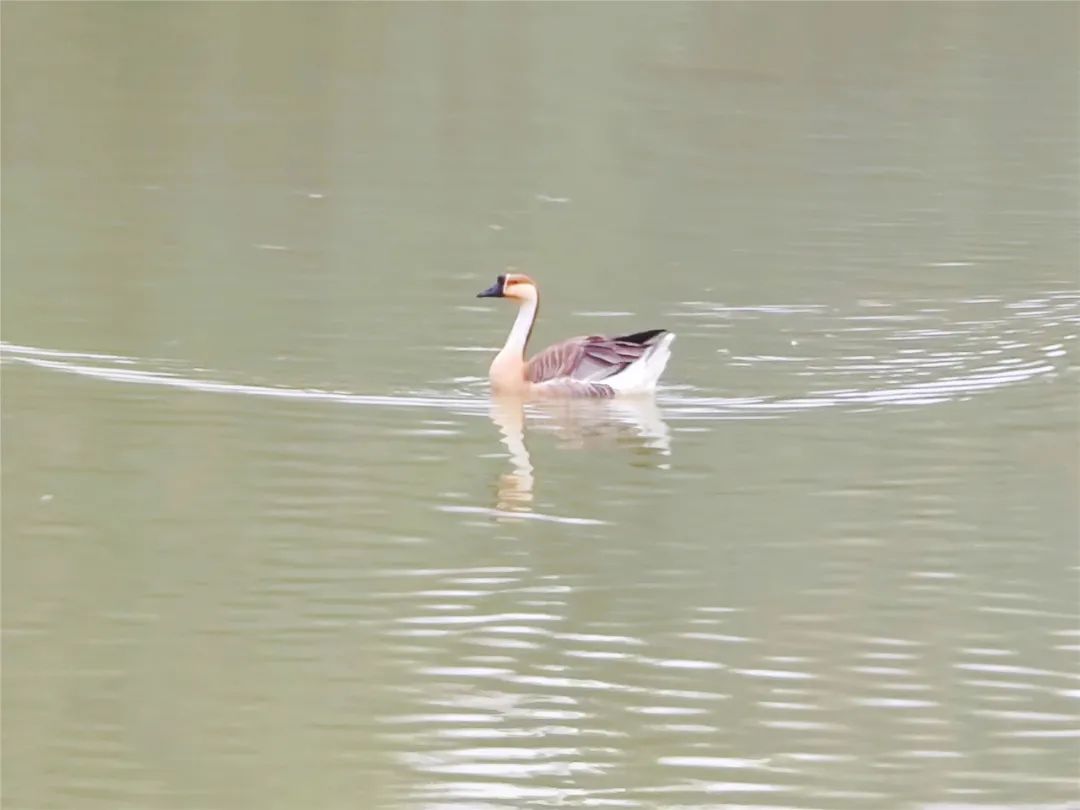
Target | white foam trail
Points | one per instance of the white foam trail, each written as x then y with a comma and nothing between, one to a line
130,375
34,350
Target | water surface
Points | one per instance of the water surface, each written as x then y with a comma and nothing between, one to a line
268,542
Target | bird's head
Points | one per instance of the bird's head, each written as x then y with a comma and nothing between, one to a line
511,285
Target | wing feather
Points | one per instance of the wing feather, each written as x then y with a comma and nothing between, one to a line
589,359
558,360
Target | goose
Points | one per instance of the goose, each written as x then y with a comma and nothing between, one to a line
589,366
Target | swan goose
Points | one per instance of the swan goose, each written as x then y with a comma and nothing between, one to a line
590,366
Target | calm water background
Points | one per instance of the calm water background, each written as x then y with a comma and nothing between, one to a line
267,543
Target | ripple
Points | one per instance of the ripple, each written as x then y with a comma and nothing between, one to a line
777,674
894,703
474,620
507,514
713,762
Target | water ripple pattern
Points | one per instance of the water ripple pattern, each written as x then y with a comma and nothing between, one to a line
512,706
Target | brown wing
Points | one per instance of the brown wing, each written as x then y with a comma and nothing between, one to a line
589,358
556,361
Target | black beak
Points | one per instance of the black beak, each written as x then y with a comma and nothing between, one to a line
494,291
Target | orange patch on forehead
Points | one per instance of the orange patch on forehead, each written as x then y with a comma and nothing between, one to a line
518,278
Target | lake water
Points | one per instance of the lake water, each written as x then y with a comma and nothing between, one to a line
267,543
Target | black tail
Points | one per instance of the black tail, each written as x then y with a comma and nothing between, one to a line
642,338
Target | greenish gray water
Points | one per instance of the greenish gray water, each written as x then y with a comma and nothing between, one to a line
268,544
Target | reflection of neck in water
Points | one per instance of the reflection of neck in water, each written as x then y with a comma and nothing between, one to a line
580,424
515,487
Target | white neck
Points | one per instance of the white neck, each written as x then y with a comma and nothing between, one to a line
519,333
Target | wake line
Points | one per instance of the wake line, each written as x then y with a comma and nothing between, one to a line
127,375
924,392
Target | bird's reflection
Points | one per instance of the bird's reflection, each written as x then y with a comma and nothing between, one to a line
579,424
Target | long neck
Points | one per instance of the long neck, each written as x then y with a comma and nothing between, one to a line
523,325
